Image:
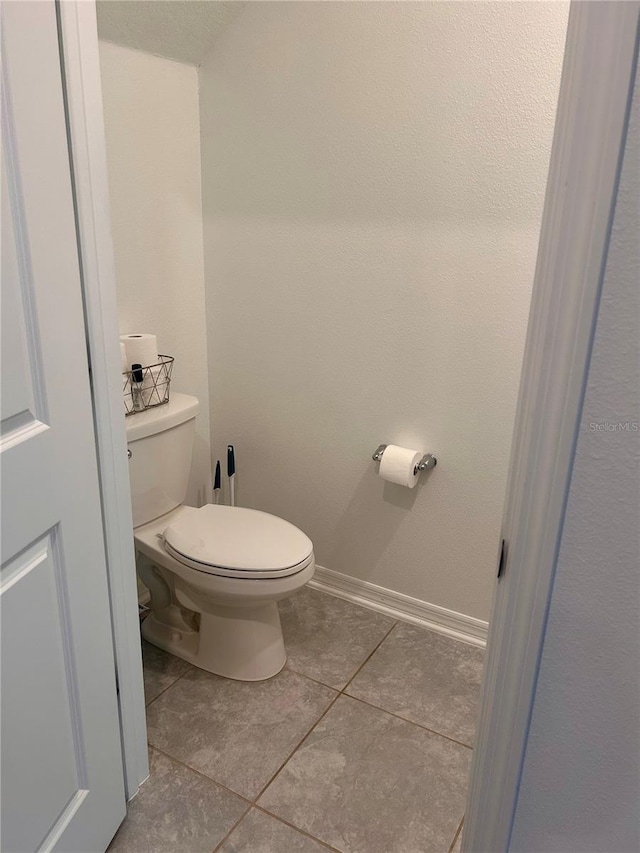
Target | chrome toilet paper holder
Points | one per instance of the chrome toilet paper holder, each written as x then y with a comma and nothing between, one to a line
427,462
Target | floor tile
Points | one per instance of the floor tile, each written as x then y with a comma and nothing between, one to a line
238,733
367,782
425,677
160,670
260,833
176,809
327,638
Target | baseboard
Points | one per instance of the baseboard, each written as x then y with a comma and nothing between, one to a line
400,606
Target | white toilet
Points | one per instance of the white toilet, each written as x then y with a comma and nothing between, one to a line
215,573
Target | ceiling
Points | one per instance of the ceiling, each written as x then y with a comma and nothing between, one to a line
184,30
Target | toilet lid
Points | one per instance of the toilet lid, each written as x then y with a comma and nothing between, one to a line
237,538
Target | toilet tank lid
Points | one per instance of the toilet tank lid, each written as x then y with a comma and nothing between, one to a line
180,408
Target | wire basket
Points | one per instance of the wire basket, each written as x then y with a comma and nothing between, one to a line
152,391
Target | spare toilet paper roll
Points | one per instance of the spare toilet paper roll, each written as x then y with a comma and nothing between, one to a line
124,364
141,349
398,465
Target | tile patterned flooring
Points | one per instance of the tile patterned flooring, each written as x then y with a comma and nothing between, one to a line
360,745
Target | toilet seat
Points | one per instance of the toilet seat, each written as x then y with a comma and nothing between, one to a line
237,542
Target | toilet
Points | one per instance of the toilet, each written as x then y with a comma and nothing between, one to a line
215,573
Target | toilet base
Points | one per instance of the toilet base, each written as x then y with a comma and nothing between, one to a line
244,644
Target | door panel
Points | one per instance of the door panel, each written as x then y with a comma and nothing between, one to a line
39,691
61,762
19,406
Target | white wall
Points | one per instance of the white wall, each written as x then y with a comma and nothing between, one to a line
373,178
580,785
153,149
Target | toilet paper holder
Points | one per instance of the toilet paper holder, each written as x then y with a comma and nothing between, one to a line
428,460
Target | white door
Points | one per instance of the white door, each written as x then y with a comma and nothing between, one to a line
61,762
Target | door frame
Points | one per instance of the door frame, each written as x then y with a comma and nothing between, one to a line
586,155
78,34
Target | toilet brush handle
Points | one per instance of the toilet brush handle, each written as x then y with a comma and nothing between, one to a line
216,483
231,473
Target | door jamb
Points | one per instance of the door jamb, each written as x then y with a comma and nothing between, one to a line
593,111
85,128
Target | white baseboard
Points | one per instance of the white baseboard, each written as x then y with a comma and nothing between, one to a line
400,606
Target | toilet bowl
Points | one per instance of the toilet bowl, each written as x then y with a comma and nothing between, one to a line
215,573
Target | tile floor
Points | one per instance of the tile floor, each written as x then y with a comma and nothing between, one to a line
360,745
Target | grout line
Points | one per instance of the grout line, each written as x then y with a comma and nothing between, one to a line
203,775
169,686
299,744
368,658
233,828
309,678
455,837
411,722
297,828
365,661
327,709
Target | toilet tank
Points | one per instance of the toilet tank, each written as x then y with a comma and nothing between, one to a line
160,443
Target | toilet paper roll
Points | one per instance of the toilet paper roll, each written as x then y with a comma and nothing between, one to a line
124,364
141,349
398,465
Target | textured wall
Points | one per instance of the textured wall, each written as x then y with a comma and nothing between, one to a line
183,30
373,178
580,785
153,151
